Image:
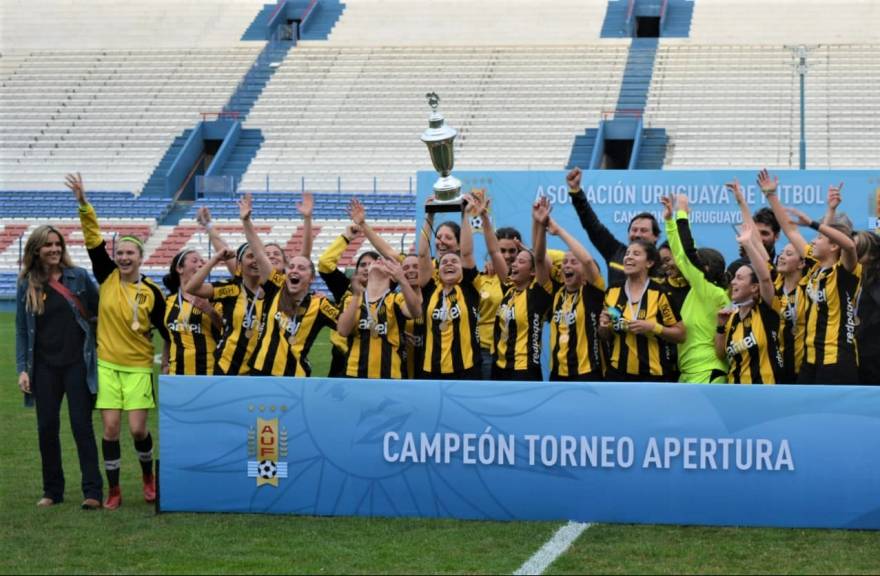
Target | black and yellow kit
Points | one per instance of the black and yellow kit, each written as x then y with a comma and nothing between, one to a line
575,347
791,343
752,345
243,323
284,347
677,290
640,355
194,330
829,333
375,346
452,340
414,348
338,284
127,311
519,327
491,293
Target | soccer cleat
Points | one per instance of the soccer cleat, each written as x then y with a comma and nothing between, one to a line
91,504
45,502
114,498
149,488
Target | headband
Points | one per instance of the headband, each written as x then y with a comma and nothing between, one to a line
134,240
239,254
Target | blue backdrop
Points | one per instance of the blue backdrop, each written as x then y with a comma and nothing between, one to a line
616,196
652,453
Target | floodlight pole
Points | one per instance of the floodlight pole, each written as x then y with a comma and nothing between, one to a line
802,72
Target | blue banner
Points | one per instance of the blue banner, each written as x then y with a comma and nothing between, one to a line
617,196
645,453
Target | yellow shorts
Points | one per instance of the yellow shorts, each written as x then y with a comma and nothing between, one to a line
123,390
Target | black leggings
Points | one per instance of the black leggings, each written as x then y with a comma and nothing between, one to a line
49,387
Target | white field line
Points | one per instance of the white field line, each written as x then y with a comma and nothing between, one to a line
552,549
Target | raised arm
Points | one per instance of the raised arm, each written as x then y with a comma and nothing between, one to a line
848,256
479,206
196,285
245,210
426,267
348,320
747,219
687,264
358,215
591,268
832,204
540,217
466,245
748,239
305,209
102,264
684,230
768,187
412,299
203,217
599,235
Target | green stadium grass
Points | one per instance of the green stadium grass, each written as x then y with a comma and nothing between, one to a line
133,539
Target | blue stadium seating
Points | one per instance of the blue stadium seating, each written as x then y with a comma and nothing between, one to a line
327,206
56,204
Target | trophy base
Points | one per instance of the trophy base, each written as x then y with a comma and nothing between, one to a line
447,195
447,207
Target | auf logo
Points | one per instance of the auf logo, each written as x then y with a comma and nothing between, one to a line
267,445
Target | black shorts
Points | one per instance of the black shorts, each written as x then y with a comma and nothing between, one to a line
840,373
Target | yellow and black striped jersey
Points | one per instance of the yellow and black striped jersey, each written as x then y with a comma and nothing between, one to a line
452,340
491,294
127,312
193,327
752,345
519,326
243,323
285,343
791,343
375,345
830,315
641,355
414,347
575,347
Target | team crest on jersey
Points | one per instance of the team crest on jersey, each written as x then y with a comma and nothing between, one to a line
267,445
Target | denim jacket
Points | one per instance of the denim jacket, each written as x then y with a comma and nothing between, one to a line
78,281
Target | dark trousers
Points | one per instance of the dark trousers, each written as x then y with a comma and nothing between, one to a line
49,386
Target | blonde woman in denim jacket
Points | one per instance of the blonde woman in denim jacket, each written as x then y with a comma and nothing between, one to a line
55,356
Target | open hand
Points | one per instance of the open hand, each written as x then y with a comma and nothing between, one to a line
734,187
75,183
246,206
541,210
357,212
834,197
307,205
768,185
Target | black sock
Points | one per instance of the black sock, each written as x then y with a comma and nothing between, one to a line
112,459
144,450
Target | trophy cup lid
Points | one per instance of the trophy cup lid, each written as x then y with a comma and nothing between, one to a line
437,131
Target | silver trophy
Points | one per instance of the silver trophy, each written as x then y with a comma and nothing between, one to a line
439,139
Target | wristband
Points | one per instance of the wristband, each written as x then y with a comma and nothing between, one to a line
84,207
574,190
815,225
657,329
719,329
